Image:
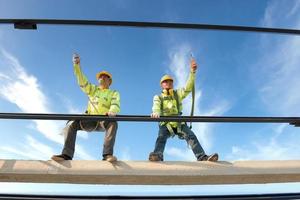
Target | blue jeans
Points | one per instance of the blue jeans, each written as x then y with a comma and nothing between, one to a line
188,135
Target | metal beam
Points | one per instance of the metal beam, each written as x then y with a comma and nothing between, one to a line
149,173
145,118
32,24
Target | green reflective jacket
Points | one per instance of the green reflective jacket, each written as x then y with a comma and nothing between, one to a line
101,101
168,102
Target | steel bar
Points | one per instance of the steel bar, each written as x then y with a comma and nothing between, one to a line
146,118
31,24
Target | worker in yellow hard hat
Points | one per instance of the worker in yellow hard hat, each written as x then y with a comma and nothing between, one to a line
166,78
169,103
102,101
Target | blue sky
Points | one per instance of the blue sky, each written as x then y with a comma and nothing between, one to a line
240,74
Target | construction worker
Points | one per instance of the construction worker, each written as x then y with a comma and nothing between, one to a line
169,103
102,101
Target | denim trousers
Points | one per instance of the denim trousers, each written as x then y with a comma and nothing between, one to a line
187,134
70,133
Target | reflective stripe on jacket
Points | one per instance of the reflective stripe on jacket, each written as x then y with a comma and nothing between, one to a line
101,101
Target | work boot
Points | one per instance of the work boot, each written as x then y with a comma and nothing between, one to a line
110,158
154,157
213,158
61,157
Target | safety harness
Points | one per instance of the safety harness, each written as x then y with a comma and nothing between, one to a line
169,127
94,127
97,123
180,133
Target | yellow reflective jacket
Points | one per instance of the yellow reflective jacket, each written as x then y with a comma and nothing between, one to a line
168,102
101,101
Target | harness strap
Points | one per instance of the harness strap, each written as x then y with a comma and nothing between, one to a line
176,99
88,130
169,127
97,123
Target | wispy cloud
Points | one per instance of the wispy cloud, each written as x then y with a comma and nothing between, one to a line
73,110
181,154
179,63
125,154
281,60
281,14
277,73
23,90
69,105
274,149
82,153
30,148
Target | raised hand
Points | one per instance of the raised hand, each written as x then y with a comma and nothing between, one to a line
76,58
193,65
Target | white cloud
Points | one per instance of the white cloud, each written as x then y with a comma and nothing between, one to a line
277,73
280,74
82,154
71,109
295,9
29,149
125,154
281,14
273,149
69,105
181,154
179,66
22,89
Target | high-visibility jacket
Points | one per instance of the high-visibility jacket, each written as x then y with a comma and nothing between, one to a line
101,101
166,104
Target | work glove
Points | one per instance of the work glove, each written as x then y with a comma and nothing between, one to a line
111,114
155,115
76,58
193,65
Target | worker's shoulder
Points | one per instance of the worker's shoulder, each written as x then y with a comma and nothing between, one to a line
157,96
114,92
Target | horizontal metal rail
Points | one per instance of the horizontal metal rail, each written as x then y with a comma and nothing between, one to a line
32,24
146,118
266,196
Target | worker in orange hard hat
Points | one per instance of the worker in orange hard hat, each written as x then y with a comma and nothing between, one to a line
169,103
102,101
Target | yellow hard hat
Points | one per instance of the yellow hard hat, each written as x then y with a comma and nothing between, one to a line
166,77
104,73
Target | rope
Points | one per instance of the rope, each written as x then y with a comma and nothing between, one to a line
193,104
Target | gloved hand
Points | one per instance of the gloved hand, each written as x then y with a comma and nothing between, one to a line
193,65
111,114
155,115
76,58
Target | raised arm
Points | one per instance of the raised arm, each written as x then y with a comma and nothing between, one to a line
183,92
82,80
